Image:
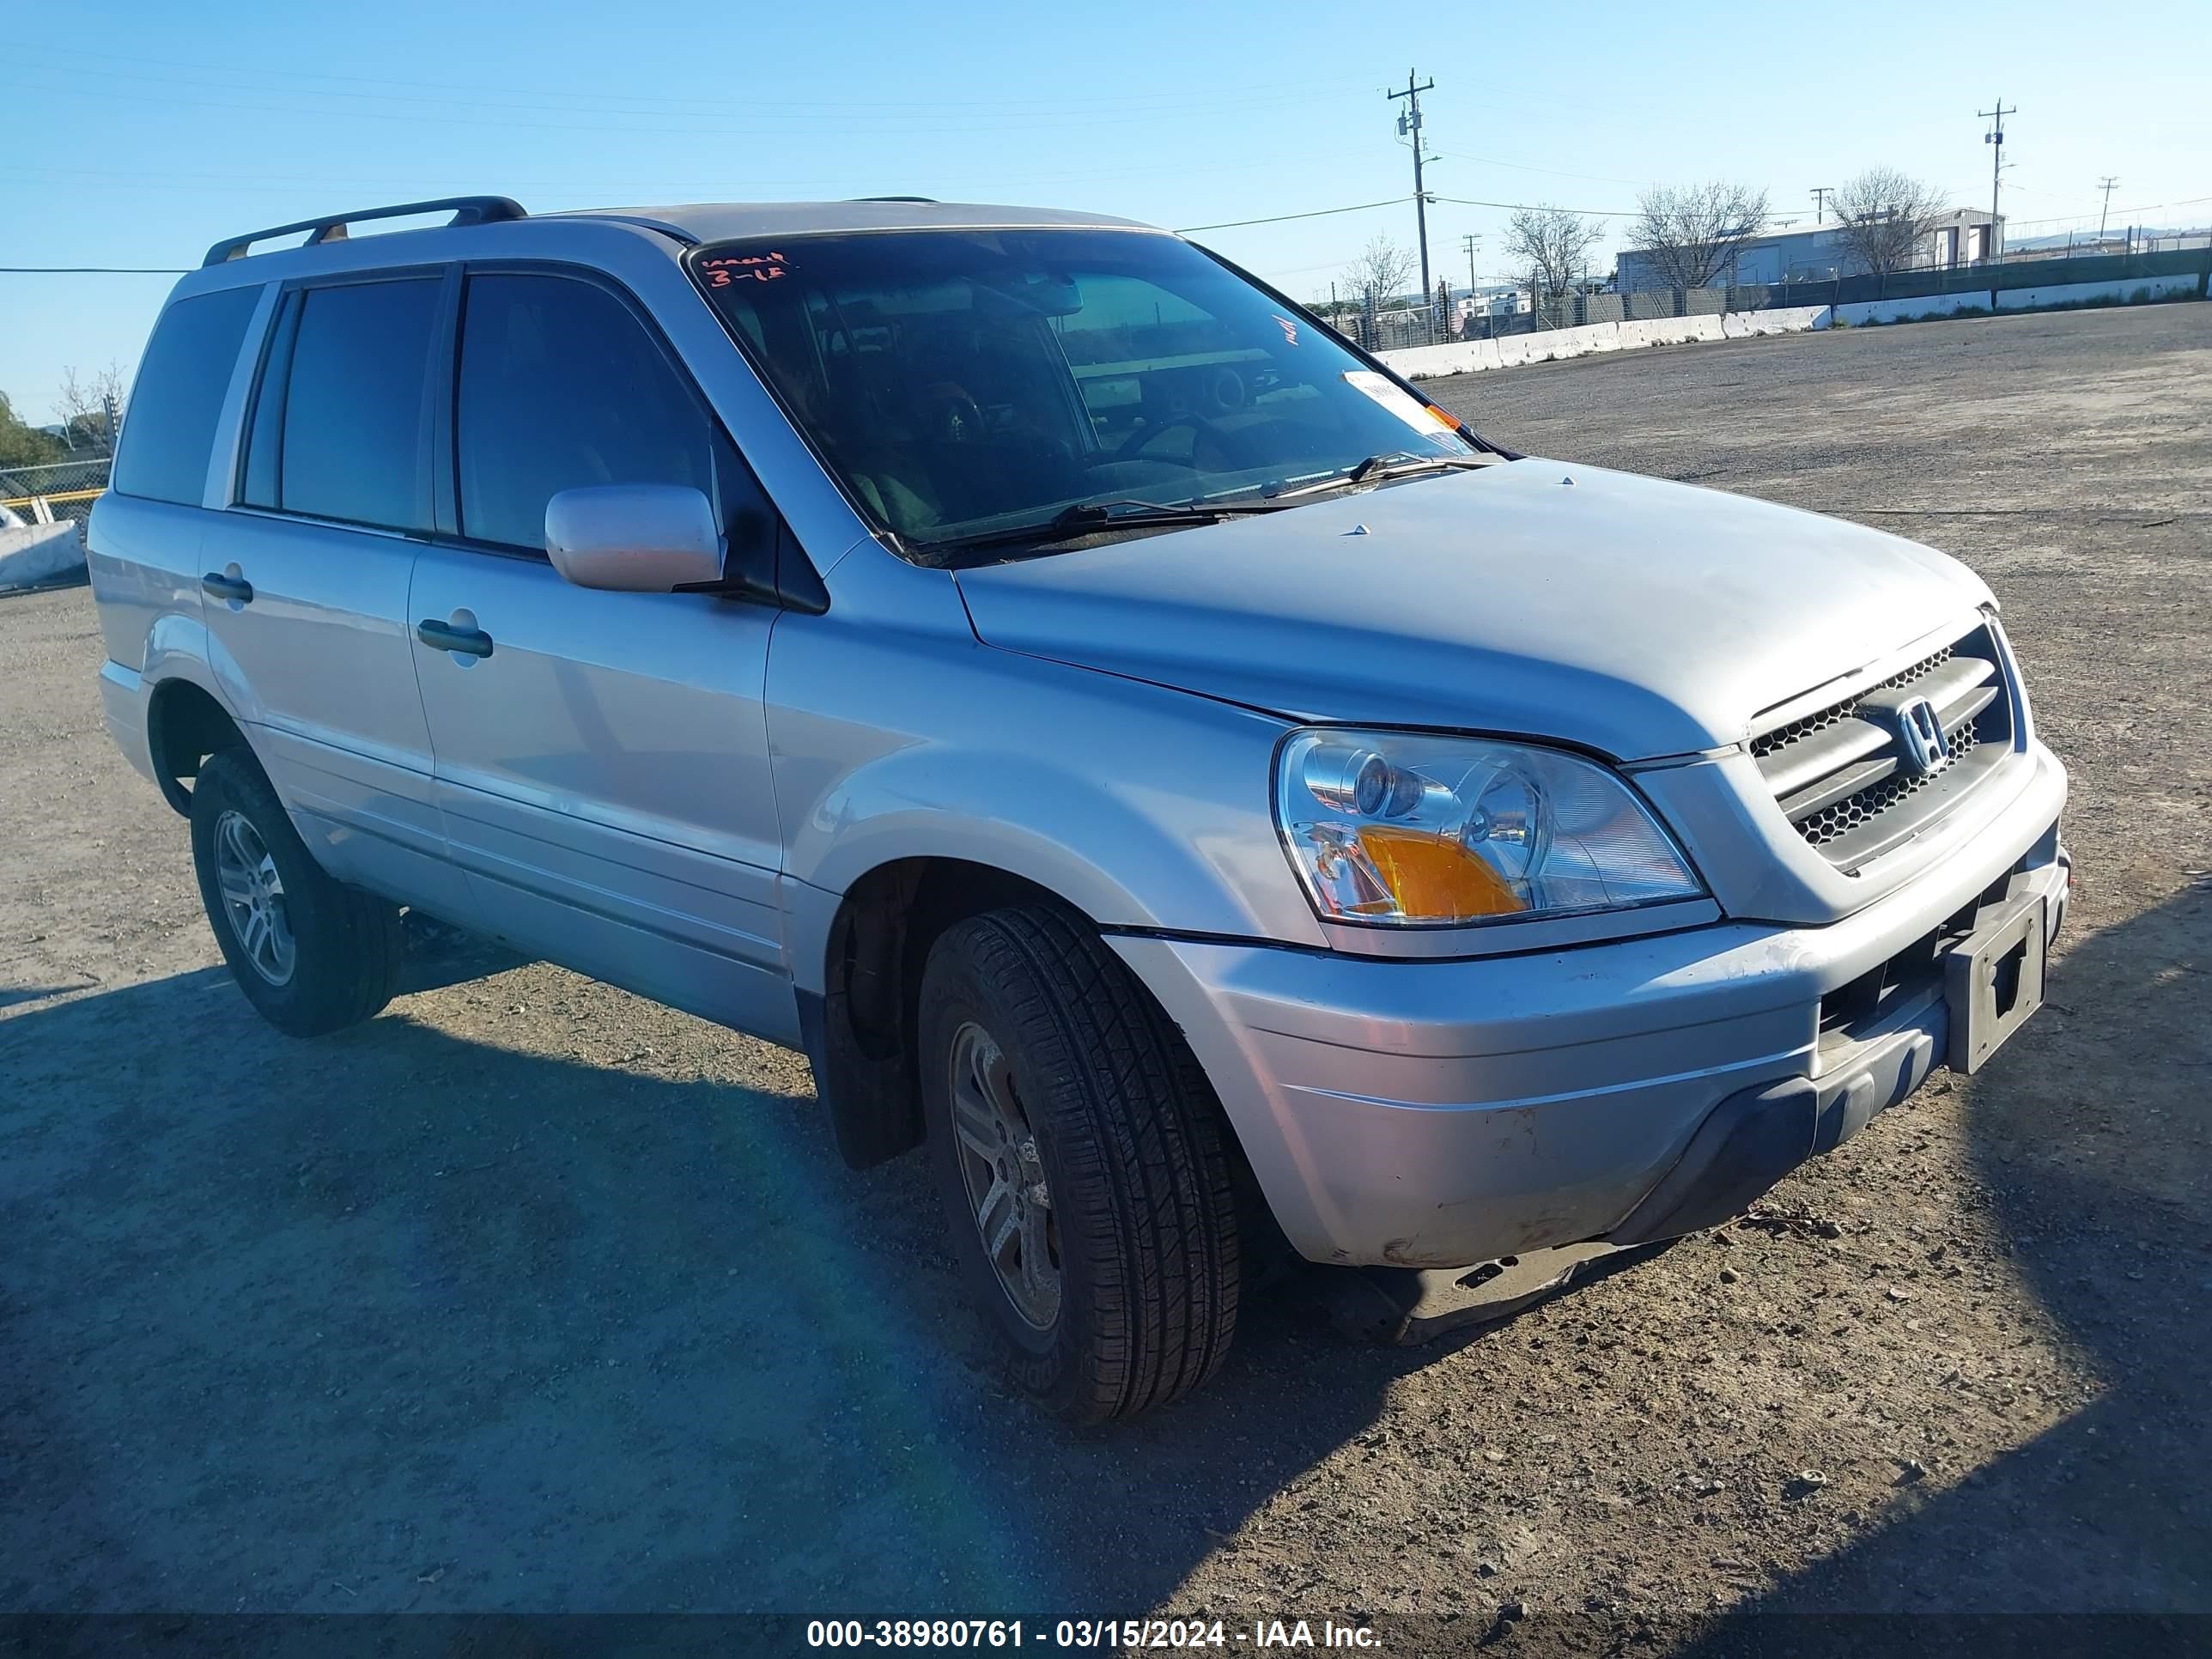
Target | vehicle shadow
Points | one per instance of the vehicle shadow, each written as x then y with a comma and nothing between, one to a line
2090,1134
399,1321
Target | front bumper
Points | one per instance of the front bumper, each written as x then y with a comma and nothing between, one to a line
1438,1114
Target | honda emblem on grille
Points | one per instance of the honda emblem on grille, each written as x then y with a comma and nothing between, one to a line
1921,742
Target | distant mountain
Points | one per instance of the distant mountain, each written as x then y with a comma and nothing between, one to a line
2112,233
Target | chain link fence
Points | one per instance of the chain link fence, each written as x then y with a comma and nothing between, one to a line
60,491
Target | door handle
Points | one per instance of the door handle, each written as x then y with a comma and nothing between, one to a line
444,636
218,586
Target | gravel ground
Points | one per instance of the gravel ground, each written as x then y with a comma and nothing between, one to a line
532,1296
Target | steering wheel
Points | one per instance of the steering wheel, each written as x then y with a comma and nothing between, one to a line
954,415
1145,437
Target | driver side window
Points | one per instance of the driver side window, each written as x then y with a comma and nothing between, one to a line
561,386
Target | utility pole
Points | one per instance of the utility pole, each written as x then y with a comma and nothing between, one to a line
1994,139
1470,242
1820,194
1409,124
2104,185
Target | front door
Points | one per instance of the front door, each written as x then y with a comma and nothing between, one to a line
601,758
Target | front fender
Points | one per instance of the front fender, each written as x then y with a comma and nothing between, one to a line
896,734
1125,857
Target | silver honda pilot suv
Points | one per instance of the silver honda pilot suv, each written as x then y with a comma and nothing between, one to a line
1125,735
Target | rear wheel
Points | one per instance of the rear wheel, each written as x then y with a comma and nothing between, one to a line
1078,1152
313,954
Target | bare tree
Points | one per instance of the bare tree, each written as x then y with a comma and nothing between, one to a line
84,402
1551,247
1382,270
1884,215
1693,234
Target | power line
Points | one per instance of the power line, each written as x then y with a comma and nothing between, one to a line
1361,207
472,91
1533,207
1523,167
1013,121
1280,218
1180,230
95,271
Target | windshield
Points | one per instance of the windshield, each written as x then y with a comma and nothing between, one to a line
968,383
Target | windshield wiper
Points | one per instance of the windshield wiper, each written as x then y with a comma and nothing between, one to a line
1380,469
1087,518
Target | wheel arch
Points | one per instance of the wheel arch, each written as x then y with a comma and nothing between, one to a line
860,1027
185,723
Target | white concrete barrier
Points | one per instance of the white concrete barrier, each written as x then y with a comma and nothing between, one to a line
1454,357
37,552
1553,345
1903,311
2015,299
1558,344
2145,288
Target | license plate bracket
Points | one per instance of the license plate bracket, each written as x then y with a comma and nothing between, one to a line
1993,980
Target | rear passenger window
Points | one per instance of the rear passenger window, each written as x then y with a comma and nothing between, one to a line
178,396
341,423
561,386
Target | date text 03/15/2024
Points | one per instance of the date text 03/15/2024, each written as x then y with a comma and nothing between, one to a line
1110,1634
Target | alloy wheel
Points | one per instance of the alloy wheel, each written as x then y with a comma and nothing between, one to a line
253,898
1004,1176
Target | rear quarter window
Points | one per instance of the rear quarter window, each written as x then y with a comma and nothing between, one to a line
178,398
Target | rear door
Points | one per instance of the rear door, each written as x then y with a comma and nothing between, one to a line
602,764
307,571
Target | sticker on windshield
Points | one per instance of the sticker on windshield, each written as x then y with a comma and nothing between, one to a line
1289,329
730,268
1409,409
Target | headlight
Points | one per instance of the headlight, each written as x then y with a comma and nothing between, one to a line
1402,830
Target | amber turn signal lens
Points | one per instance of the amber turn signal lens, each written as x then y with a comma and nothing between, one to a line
1430,877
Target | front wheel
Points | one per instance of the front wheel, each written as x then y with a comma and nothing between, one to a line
1080,1155
311,955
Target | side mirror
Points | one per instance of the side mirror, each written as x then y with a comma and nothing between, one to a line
634,538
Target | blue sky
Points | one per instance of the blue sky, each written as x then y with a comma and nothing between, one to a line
139,133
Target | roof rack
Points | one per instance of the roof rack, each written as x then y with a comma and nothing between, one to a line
467,209
930,201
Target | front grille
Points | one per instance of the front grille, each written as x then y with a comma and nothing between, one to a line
1854,780
1834,823
1782,737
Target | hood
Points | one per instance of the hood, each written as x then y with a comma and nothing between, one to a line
1628,615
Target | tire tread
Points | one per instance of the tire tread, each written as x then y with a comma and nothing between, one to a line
350,943
1152,1172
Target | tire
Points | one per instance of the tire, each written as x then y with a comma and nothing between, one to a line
344,946
1139,1220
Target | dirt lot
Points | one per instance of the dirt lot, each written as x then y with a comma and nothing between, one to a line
534,1295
